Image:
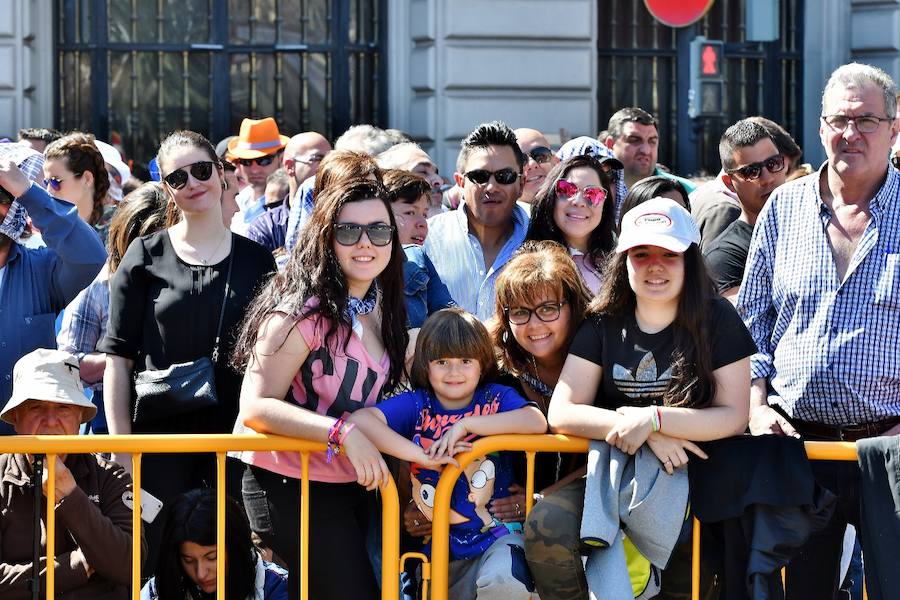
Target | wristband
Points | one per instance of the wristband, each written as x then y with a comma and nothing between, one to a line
654,419
658,419
334,445
344,431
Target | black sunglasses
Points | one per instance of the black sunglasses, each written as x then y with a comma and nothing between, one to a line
540,154
201,171
482,176
263,161
349,234
752,171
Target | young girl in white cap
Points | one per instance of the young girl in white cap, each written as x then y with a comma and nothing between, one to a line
660,359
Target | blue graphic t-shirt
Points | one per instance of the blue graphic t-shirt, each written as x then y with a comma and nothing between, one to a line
419,416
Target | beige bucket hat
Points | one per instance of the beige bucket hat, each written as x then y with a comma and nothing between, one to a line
48,376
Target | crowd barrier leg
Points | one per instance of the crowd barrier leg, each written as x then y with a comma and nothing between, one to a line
51,526
136,526
220,525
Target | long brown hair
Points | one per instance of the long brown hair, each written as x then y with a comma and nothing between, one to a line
543,226
536,268
80,154
140,213
313,271
692,383
342,165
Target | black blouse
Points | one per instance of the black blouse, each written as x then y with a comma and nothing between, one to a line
164,311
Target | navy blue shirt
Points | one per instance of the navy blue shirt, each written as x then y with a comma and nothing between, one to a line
269,229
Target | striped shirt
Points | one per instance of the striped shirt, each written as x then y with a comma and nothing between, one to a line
828,348
459,259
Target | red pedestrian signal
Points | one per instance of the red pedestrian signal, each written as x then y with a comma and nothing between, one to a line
710,59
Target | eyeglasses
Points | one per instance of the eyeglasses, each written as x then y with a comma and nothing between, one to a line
55,183
547,312
201,171
482,176
866,124
752,171
263,161
895,160
540,154
566,190
349,234
313,158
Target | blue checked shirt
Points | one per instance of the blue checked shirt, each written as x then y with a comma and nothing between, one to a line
301,211
830,349
84,322
459,259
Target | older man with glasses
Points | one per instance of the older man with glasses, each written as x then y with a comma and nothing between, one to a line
821,297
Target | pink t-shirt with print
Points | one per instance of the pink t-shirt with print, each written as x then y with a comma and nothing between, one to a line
330,382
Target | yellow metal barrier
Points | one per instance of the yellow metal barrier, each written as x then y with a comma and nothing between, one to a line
530,444
137,445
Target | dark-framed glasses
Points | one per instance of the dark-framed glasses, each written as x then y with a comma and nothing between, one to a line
540,154
547,312
262,161
751,172
482,176
201,171
865,124
566,190
349,234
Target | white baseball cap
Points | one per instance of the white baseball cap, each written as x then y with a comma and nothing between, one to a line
49,376
112,157
658,222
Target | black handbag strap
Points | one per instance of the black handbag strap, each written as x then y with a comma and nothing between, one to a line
215,353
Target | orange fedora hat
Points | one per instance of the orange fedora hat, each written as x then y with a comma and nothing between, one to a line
258,137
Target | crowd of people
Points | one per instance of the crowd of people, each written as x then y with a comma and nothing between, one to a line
351,295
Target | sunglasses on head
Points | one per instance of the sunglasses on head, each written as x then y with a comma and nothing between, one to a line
752,171
201,171
540,154
566,190
482,176
349,234
263,161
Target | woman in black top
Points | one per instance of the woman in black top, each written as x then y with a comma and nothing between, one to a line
165,303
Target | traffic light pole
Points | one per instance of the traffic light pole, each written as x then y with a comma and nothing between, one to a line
686,130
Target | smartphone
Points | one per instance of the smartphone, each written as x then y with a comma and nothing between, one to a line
150,504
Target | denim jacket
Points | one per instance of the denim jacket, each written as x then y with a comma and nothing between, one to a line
425,292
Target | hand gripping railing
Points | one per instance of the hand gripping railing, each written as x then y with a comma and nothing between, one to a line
136,445
531,444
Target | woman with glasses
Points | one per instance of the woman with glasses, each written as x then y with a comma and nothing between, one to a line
540,303
573,209
168,307
74,171
325,337
659,360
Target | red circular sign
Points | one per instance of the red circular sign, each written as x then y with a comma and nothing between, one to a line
678,13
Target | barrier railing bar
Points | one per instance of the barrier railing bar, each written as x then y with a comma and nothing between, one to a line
220,526
304,525
390,541
51,525
136,526
529,481
440,526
